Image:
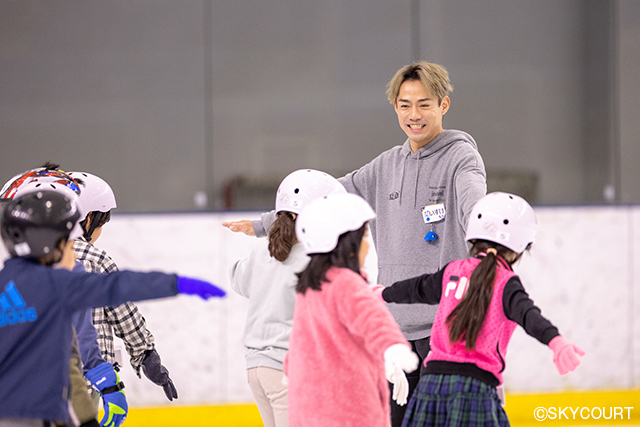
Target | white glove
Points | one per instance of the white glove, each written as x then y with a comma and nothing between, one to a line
399,358
400,386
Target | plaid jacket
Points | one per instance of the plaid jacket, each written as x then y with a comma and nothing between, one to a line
124,320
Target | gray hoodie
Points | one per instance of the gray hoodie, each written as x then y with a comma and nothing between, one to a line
270,287
398,184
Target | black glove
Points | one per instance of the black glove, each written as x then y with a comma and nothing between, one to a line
158,374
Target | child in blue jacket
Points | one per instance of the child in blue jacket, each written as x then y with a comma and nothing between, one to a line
37,303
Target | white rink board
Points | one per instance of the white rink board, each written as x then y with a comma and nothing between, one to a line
583,272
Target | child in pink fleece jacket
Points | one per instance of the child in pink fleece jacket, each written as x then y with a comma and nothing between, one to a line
344,341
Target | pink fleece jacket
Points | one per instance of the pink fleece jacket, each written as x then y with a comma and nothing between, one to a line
335,361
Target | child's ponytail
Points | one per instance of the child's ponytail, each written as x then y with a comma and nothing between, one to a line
466,320
282,235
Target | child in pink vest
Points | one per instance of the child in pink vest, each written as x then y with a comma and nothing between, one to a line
481,302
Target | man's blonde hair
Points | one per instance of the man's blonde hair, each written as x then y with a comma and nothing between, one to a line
434,79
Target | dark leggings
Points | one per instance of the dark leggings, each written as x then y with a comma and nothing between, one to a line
421,347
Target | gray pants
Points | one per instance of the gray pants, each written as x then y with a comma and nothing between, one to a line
270,395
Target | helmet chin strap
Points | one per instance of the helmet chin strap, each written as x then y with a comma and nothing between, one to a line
95,219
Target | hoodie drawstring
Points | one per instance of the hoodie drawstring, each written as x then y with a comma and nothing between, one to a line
415,188
404,167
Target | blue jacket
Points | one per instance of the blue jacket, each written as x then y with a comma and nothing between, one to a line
87,339
86,334
36,306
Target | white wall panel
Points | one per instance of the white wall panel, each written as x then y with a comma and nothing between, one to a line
578,274
200,342
634,291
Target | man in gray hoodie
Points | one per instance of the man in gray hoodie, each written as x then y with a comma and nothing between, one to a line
422,192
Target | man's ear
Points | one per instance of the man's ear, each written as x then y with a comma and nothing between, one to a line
445,104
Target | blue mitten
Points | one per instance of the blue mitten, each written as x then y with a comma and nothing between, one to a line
205,290
115,409
106,380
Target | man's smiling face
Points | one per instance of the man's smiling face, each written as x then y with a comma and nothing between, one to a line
419,113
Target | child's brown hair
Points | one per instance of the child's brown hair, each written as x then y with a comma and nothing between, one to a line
466,320
282,235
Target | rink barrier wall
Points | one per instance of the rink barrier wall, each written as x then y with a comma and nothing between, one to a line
583,272
520,409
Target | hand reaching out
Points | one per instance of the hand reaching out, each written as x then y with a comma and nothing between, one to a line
158,374
566,355
244,226
399,359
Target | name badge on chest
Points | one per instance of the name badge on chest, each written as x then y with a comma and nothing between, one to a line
430,215
433,213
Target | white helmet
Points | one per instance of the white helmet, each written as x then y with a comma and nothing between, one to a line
325,219
301,186
41,174
46,185
505,219
96,194
10,187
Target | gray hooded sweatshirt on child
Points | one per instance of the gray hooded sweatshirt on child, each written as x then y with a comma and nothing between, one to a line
398,184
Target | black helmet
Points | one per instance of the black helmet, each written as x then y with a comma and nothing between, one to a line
32,224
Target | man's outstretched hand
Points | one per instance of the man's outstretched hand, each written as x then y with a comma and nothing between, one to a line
244,226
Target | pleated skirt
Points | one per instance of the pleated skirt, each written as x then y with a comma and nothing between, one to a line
454,401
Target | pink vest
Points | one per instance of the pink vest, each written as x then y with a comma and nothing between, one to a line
494,336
